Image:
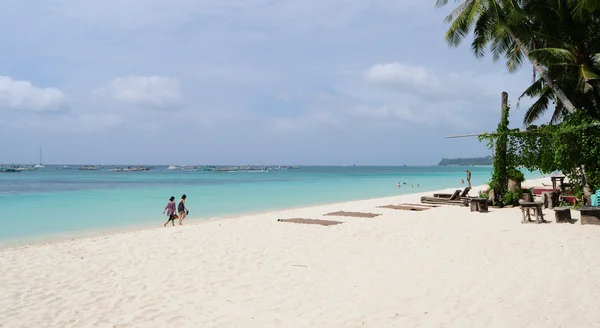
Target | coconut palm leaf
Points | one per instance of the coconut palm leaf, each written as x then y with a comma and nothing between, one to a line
553,56
540,106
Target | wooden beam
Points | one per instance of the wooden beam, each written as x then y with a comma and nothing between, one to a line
520,131
467,135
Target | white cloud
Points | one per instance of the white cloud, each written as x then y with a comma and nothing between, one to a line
139,13
23,95
398,74
387,113
155,91
305,124
80,123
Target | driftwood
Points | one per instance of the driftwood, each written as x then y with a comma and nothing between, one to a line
562,214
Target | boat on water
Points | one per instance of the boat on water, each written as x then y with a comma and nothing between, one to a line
130,169
40,165
26,168
7,169
91,168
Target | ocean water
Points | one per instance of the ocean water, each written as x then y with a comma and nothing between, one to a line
51,202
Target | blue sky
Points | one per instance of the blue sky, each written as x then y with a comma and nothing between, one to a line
329,82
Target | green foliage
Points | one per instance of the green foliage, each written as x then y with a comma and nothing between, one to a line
560,38
515,175
466,161
512,197
483,194
564,147
503,158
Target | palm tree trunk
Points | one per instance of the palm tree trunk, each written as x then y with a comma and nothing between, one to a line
542,72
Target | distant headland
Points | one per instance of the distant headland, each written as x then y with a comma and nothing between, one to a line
466,161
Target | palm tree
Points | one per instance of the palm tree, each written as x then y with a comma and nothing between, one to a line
499,24
568,48
582,6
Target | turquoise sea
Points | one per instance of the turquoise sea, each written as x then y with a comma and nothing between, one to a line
35,205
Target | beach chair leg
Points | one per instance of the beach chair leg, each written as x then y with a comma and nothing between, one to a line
539,215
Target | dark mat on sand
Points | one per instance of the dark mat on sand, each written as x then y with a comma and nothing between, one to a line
405,208
311,221
419,205
353,214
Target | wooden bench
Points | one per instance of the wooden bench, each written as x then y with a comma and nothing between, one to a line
562,214
526,207
479,204
590,215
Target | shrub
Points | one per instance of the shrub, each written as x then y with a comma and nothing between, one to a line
516,175
512,198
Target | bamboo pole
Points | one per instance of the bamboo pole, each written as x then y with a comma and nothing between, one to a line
521,131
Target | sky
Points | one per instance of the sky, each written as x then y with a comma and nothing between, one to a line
312,82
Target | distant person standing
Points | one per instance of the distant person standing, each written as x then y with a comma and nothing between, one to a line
170,209
183,211
469,178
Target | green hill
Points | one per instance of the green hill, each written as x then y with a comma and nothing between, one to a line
466,161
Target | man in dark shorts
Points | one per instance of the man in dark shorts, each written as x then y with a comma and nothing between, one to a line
469,178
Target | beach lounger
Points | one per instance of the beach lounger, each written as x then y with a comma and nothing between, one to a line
454,199
462,195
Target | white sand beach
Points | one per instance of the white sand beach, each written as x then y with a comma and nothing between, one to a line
442,267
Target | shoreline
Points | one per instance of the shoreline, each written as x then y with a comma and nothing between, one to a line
193,221
433,267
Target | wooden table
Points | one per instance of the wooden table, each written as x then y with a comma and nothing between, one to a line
590,215
479,204
526,207
562,214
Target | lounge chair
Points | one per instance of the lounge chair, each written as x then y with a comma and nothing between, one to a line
454,199
464,194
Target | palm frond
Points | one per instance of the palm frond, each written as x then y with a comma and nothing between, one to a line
481,33
534,90
461,25
515,58
559,113
553,56
538,108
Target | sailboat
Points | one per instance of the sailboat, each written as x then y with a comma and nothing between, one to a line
40,165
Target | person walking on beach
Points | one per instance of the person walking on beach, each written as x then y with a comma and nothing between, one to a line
469,178
170,209
183,211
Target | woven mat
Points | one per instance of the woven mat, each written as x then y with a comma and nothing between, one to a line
311,221
353,214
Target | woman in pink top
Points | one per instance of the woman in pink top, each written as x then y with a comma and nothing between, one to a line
170,209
